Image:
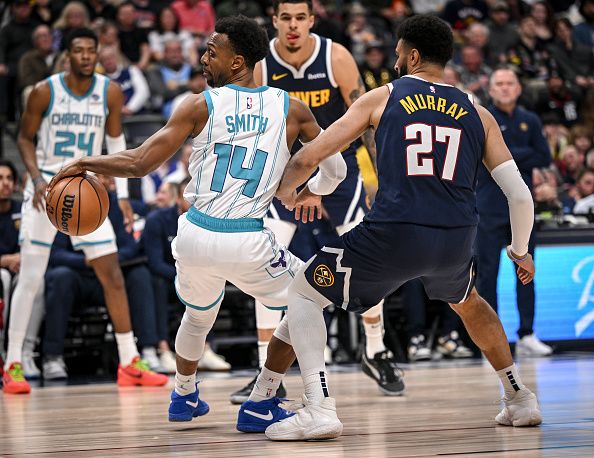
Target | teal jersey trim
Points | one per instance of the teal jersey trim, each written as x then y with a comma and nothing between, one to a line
224,225
105,89
78,97
209,104
40,243
198,307
287,103
99,242
247,89
47,172
51,102
282,308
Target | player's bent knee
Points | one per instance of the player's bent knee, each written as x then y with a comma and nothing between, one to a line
282,331
300,287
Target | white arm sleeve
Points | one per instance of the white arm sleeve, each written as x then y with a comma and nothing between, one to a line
332,171
115,145
141,90
521,206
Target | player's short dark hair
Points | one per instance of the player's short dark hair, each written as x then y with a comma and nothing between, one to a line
80,33
429,35
13,170
246,36
277,3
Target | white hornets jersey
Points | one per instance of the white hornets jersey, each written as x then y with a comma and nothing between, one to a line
239,157
72,126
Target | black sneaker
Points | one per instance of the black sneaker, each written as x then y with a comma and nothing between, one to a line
383,369
242,395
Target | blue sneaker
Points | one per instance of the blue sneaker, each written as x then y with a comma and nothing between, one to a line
185,408
255,417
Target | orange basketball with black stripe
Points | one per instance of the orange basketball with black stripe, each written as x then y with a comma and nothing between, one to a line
77,205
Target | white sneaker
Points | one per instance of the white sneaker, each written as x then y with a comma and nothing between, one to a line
210,361
452,346
312,422
167,360
30,369
531,345
521,410
54,368
149,354
418,349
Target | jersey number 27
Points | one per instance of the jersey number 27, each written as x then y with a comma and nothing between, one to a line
426,136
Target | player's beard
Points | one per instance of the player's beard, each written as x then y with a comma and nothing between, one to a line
402,71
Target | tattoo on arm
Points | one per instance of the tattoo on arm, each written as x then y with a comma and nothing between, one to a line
369,142
358,92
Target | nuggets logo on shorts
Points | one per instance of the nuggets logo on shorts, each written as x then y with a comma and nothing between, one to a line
323,276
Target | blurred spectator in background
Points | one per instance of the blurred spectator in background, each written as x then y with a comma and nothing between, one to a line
46,11
71,281
542,14
73,16
571,165
460,14
584,193
584,32
169,78
545,192
359,32
428,6
557,134
15,40
146,12
248,8
477,35
37,63
108,36
133,40
574,59
166,195
195,16
167,28
474,74
196,85
559,97
522,132
181,172
328,23
581,137
375,70
130,78
160,229
100,9
502,34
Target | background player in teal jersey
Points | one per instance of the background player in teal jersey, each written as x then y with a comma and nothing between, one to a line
324,76
69,113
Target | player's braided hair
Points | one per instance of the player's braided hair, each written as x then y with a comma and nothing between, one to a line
246,36
429,35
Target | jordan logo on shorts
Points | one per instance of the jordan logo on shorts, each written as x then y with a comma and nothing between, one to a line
281,260
323,276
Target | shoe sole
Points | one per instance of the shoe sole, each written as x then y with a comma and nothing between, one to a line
178,417
324,432
384,390
247,428
236,400
392,393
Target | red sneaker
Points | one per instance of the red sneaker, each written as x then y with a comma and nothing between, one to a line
14,380
138,373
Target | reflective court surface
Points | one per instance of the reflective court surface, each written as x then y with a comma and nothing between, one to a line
448,410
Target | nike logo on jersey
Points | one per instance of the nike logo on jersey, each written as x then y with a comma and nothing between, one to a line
192,404
266,417
276,77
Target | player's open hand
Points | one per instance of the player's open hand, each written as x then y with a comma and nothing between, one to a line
39,194
128,214
72,169
287,197
525,265
306,205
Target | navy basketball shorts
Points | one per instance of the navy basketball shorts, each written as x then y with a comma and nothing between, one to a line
374,259
347,203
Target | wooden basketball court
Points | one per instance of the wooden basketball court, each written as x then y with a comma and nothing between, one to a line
448,410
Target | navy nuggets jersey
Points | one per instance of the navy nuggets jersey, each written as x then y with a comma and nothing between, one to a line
313,83
430,143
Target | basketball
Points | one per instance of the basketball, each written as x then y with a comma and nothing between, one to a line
77,205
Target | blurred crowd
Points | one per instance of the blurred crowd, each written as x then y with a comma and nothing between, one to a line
152,48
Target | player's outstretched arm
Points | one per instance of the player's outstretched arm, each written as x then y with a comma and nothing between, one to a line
498,160
37,104
365,112
188,119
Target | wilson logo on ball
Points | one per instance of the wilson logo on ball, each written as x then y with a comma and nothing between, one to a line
67,206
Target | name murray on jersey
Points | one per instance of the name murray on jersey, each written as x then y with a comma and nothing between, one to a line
76,119
429,102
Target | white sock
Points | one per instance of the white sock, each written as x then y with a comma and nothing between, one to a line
266,385
185,384
262,352
374,338
15,348
510,379
316,386
127,350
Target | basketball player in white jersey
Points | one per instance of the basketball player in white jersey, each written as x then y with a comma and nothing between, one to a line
242,136
69,113
325,77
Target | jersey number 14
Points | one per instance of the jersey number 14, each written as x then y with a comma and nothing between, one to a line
424,133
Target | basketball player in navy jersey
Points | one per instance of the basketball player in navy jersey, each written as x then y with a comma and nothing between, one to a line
431,140
325,77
